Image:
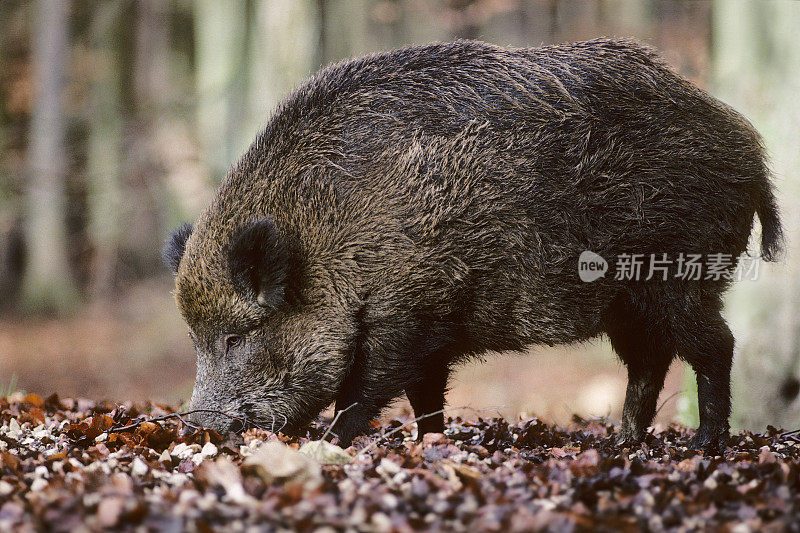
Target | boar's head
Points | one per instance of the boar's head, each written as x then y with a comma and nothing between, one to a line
265,353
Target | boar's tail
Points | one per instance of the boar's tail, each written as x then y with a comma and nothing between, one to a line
767,210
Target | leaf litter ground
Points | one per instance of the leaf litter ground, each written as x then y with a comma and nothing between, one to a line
79,465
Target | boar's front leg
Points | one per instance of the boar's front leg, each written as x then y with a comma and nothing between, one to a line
360,400
427,399
647,350
378,371
386,362
370,386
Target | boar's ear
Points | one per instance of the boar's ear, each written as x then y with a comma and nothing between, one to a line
176,246
258,261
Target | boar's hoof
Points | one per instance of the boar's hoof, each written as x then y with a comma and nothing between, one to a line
709,441
348,428
628,438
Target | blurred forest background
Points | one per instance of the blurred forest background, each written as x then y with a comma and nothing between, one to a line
119,118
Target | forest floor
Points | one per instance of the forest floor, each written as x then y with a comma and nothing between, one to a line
496,468
77,465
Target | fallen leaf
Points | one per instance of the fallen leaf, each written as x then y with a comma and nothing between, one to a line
275,462
325,453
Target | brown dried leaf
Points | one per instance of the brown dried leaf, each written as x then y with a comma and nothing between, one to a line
34,399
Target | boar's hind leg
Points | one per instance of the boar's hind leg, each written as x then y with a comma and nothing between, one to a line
706,343
647,350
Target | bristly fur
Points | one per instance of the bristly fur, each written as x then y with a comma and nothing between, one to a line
432,203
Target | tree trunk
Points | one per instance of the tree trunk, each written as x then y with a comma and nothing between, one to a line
756,60
48,284
344,29
283,54
221,38
105,148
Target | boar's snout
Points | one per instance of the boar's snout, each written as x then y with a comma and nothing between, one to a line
206,411
210,419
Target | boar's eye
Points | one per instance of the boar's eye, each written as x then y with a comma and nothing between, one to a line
232,341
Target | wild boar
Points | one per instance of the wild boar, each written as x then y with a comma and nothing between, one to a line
407,210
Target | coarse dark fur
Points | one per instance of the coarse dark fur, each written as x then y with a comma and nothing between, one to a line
406,210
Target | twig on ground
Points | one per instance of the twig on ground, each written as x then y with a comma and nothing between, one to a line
375,442
372,445
180,416
794,434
